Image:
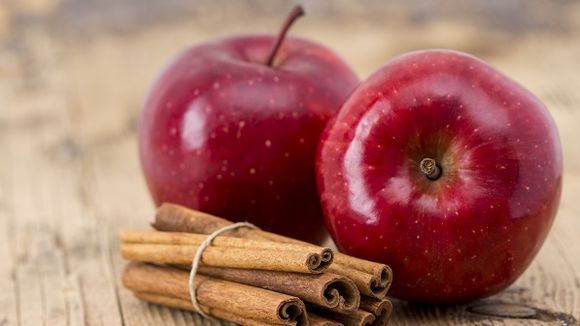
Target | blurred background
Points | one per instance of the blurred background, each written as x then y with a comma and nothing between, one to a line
100,56
73,76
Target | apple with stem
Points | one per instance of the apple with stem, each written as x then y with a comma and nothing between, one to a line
444,169
231,128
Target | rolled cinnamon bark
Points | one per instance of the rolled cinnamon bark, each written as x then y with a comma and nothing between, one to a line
355,318
241,300
316,320
263,259
185,238
382,275
178,303
329,291
382,309
372,285
373,279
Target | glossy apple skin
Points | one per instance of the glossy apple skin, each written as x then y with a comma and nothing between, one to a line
223,133
470,233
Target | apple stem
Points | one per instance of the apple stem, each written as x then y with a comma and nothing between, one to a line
296,12
430,168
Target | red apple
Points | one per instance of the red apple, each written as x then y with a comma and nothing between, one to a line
231,128
444,169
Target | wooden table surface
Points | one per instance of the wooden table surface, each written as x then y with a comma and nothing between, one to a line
73,75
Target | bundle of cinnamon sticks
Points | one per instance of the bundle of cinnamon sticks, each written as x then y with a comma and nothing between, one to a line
252,277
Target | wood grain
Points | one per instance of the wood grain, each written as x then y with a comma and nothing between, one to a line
74,73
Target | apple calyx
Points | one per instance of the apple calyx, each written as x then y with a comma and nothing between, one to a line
430,168
294,14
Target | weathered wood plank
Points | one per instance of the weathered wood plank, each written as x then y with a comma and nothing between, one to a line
8,288
64,273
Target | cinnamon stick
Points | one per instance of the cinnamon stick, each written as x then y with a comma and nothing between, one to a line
329,291
372,285
316,320
184,238
263,259
241,300
178,303
382,309
355,318
373,279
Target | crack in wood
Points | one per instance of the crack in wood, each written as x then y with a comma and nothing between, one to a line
503,310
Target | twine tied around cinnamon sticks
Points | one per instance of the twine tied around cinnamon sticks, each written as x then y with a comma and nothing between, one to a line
197,259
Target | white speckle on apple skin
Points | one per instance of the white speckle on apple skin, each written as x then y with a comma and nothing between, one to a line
252,171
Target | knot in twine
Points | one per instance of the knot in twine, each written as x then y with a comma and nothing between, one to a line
197,259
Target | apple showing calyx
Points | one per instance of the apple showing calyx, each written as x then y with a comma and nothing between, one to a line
444,169
231,128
